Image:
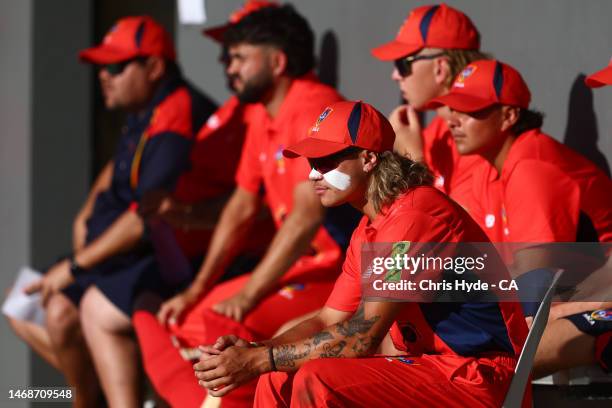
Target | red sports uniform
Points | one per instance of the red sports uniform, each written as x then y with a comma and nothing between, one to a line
546,193
458,354
307,283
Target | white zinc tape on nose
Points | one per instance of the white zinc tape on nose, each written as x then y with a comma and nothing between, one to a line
338,179
314,175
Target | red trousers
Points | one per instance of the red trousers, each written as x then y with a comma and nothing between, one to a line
173,377
426,381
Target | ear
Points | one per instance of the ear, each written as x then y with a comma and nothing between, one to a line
442,71
370,160
278,62
509,116
156,68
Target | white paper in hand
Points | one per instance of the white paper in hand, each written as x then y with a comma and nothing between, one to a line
20,306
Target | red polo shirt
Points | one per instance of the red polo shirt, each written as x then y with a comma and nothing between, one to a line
453,172
425,215
543,189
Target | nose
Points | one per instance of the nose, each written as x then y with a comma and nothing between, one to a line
103,74
315,175
231,66
395,76
452,119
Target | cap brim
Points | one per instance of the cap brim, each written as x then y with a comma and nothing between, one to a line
216,33
599,78
394,50
460,102
312,148
105,55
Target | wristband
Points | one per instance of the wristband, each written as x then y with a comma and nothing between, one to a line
75,269
271,358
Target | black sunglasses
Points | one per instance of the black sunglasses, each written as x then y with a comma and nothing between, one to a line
328,163
404,64
118,67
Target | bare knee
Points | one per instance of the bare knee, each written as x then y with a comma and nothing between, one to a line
62,320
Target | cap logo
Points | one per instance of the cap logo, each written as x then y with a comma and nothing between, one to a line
465,74
321,118
426,22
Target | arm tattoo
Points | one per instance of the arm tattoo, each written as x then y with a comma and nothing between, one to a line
333,351
357,324
285,355
363,345
352,335
322,336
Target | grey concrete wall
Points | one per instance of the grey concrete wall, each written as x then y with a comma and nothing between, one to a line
61,138
550,41
15,113
45,111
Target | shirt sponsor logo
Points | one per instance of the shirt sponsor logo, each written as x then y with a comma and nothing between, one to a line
288,291
604,315
280,160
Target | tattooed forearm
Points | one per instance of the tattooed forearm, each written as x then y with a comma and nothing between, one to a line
322,336
333,350
364,345
285,355
356,337
357,324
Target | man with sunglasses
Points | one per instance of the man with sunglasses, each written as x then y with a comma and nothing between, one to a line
113,259
431,48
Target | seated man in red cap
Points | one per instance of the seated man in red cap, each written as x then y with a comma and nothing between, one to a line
113,258
271,57
432,46
454,353
535,190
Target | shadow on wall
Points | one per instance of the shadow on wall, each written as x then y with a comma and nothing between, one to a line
328,59
581,132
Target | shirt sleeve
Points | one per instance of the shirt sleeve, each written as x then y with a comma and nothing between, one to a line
346,294
542,204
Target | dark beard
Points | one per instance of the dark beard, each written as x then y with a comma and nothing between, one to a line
255,89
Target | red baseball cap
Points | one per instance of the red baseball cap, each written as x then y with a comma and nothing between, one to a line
216,33
482,84
600,78
438,26
131,37
345,124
